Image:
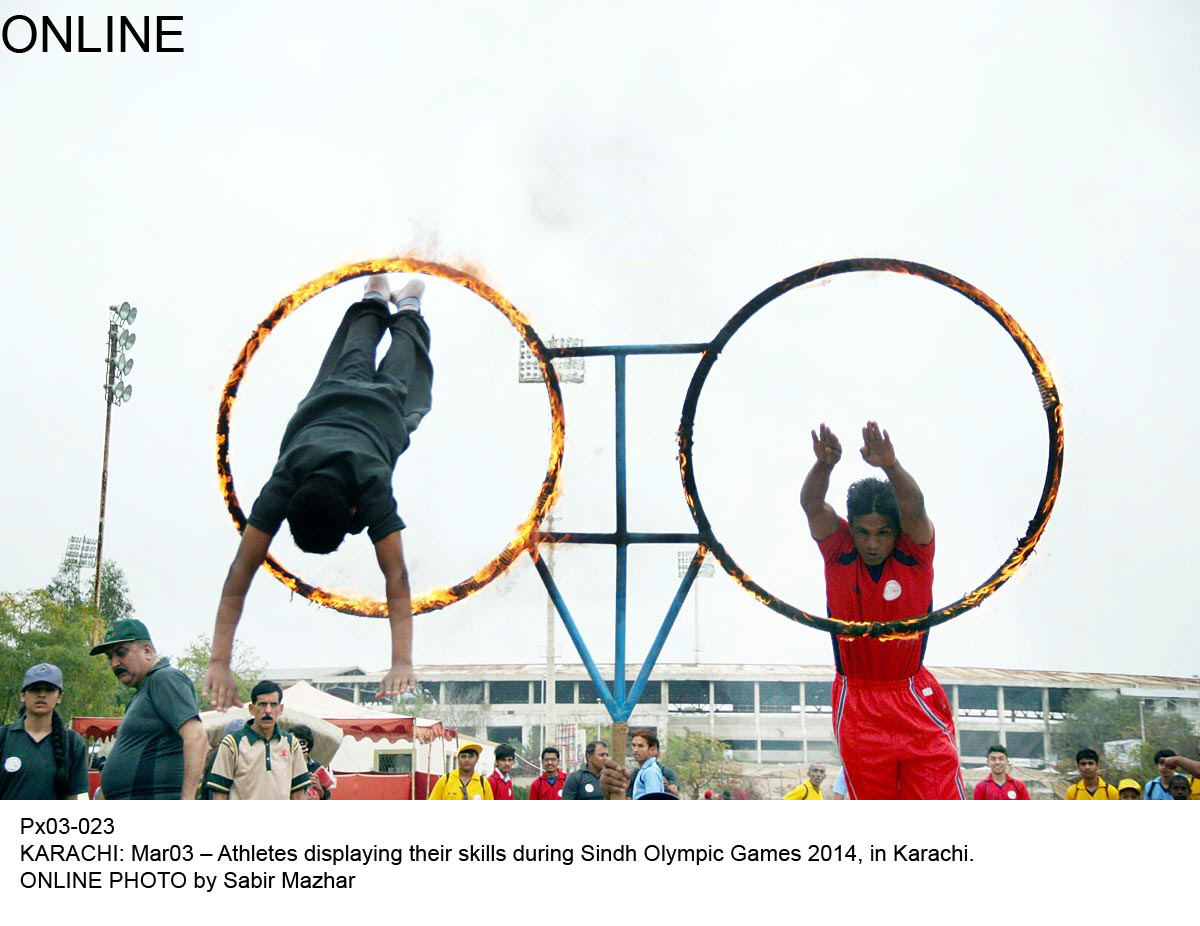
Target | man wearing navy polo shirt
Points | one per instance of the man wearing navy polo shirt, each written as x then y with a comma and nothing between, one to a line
998,786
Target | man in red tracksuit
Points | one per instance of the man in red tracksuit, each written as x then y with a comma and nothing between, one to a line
893,724
548,787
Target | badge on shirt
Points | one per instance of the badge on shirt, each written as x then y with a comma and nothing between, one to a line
891,591
1012,795
589,787
12,764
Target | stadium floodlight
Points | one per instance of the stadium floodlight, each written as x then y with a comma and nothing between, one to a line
684,562
568,369
81,553
116,392
707,570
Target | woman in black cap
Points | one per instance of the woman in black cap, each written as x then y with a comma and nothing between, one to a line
40,759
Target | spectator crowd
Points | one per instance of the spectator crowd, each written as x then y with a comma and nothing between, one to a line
161,752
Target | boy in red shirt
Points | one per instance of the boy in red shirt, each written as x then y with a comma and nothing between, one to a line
500,780
891,718
998,786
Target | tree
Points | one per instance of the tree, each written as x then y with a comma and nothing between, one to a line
246,665
35,627
461,708
1093,720
115,602
698,761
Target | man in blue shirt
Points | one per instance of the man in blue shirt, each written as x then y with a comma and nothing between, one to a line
1157,789
649,777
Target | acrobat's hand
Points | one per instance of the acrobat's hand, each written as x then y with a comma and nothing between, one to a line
220,687
877,446
826,447
398,681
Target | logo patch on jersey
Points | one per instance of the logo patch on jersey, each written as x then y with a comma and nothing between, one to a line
891,591
12,764
1012,795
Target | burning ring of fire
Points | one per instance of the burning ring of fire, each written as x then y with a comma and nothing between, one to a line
1050,403
438,598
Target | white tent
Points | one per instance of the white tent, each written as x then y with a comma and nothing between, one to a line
431,752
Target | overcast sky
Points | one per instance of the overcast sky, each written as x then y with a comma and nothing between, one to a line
632,173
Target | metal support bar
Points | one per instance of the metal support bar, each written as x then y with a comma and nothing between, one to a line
612,538
622,531
625,350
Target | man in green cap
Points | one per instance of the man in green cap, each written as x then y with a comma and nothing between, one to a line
160,748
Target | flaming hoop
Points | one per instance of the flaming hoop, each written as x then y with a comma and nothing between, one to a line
1050,403
438,598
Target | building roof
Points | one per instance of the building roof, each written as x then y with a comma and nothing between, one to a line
301,673
782,672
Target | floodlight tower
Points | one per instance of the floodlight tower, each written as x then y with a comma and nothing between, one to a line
706,572
116,392
80,555
569,370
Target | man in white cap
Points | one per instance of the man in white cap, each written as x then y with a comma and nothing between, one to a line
465,785
40,759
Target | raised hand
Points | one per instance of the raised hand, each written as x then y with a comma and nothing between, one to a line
826,447
877,446
398,681
220,687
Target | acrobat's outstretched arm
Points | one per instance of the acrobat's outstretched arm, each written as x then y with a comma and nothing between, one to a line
220,687
1182,763
877,450
822,519
389,552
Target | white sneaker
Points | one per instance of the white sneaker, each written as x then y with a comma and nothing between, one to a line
378,283
410,296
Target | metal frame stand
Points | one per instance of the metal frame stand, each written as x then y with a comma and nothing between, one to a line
620,700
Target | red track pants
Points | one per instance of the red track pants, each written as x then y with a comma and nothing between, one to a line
897,739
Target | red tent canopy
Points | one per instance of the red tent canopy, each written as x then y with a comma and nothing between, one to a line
97,728
383,728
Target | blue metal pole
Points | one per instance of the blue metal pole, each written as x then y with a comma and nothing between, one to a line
611,538
622,538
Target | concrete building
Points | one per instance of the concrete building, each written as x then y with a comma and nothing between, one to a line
766,713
